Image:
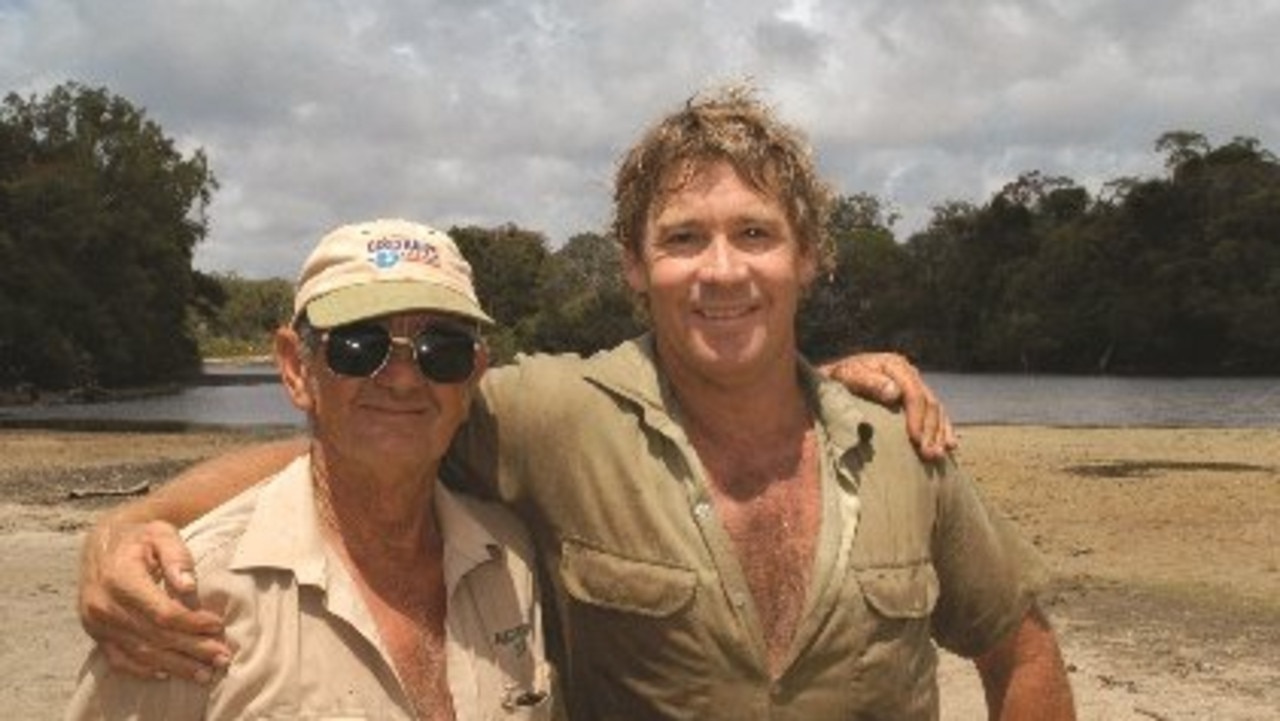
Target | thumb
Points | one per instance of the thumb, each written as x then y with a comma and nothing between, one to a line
175,562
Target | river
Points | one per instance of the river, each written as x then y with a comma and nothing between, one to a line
253,398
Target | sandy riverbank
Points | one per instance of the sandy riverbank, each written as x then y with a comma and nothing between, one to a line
1164,546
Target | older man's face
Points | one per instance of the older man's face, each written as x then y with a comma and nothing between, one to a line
394,415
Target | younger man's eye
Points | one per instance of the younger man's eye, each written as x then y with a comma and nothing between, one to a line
680,239
756,235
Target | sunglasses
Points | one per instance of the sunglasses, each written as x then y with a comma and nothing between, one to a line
361,350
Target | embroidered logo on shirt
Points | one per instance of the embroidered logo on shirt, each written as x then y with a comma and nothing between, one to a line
516,637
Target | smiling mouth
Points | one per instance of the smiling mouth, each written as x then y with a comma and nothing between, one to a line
725,313
396,411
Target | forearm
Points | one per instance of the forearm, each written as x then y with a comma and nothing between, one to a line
207,484
1025,678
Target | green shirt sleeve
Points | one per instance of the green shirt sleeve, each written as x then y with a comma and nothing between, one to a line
988,574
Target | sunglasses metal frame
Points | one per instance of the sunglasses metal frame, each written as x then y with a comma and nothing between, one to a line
418,344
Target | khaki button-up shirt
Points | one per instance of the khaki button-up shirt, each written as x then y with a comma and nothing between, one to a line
307,644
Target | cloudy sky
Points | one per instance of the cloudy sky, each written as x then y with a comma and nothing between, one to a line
495,111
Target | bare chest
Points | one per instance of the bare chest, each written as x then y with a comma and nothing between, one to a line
768,500
418,655
411,625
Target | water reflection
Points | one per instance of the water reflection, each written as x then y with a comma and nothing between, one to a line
1107,401
1005,399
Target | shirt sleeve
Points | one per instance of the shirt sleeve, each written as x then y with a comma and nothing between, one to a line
988,574
105,695
518,407
472,464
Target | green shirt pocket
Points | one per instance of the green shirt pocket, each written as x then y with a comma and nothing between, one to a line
629,585
900,592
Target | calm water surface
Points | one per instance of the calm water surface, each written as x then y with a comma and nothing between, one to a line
1014,399
1106,401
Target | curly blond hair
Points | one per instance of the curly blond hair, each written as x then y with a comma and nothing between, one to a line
723,125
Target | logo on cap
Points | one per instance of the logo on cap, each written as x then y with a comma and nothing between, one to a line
388,252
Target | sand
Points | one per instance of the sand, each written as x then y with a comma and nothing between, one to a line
1163,546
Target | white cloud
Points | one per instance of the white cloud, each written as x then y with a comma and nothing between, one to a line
466,111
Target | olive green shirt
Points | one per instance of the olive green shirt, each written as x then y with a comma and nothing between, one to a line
655,615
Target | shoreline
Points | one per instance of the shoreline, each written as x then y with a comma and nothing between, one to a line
1161,544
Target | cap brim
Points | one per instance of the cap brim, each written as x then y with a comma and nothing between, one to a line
371,300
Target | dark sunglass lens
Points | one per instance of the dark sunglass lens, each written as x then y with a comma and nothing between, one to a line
446,356
357,350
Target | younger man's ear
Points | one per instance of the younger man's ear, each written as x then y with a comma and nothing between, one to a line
634,270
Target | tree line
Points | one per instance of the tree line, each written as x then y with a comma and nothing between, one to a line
99,216
1178,274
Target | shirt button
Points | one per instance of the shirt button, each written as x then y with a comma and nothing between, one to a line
702,510
739,599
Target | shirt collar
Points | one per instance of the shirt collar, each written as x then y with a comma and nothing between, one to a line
468,543
284,531
631,370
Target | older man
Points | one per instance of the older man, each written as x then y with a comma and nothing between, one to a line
352,583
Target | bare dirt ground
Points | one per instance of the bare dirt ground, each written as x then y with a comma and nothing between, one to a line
1163,544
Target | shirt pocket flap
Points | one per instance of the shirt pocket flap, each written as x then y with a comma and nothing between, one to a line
900,591
603,579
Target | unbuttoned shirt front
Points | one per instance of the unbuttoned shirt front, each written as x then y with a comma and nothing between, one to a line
307,645
658,621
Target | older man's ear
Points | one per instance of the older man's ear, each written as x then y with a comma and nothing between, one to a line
291,362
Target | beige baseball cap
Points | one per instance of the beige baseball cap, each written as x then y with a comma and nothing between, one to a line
366,270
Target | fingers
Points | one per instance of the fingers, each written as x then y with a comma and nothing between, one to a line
864,376
134,644
129,653
928,425
134,657
919,405
138,599
950,436
890,379
123,662
173,559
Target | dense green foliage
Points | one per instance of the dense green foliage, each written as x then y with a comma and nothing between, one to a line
1179,274
99,215
242,324
584,305
571,299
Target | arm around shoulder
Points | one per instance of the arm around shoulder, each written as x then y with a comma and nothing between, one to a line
137,584
207,484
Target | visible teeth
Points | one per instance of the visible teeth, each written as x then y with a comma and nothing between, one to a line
723,313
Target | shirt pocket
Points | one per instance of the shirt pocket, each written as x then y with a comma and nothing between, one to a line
900,592
627,585
638,641
895,670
